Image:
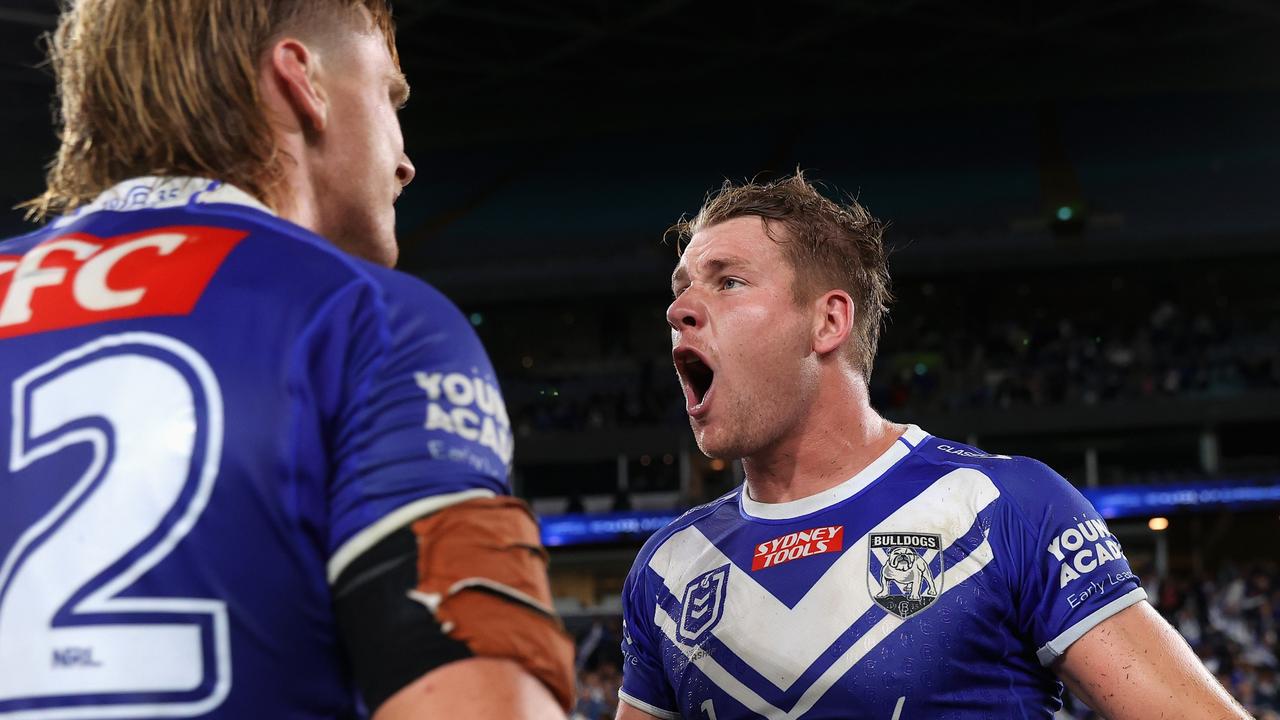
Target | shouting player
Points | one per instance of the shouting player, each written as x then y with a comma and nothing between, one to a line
247,470
865,569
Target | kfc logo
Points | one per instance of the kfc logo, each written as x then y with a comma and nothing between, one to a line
78,279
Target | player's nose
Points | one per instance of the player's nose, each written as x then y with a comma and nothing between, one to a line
405,170
685,313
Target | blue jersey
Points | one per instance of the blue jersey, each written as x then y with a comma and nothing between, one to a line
206,413
940,582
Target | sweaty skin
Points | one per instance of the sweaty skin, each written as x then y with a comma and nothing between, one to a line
1133,665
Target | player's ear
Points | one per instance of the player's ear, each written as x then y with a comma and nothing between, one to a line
291,70
832,321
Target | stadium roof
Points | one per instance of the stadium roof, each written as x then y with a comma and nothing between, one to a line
558,140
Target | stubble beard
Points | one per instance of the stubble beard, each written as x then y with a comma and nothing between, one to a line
360,227
370,242
759,416
748,426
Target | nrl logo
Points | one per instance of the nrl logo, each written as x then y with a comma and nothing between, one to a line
904,571
703,604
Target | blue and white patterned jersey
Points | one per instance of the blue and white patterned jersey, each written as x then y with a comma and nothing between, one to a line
206,413
939,582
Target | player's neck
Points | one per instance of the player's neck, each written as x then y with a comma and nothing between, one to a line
837,440
298,202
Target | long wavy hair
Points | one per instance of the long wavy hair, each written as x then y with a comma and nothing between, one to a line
170,87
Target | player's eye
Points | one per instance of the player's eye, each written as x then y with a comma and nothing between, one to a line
730,283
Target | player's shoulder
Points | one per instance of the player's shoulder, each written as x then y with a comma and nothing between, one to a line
408,292
305,258
1019,478
689,518
1000,467
19,244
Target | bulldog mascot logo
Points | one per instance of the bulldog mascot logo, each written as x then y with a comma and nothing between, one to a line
904,571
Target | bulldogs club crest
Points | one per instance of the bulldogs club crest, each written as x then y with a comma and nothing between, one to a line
904,571
703,604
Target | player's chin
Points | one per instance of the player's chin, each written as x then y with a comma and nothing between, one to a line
369,239
380,253
387,245
389,253
383,248
700,437
715,443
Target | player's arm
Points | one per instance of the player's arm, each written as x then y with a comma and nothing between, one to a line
449,616
1134,665
1081,605
478,688
438,576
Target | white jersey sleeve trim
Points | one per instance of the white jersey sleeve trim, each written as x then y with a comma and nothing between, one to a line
1053,649
642,705
357,544
914,436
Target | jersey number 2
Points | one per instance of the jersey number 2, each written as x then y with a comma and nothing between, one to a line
71,646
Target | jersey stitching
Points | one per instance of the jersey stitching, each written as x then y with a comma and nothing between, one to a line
297,369
1013,507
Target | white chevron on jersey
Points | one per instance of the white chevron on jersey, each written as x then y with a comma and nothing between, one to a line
781,643
963,570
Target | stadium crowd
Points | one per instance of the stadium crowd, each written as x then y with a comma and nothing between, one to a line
599,662
1029,360
1037,362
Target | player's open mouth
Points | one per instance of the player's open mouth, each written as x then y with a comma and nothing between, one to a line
696,377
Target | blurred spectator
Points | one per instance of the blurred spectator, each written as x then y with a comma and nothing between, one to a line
1020,356
1023,360
599,676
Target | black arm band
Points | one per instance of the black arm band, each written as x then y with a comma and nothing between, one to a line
390,639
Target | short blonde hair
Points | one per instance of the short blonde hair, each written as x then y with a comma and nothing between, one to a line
171,88
829,245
